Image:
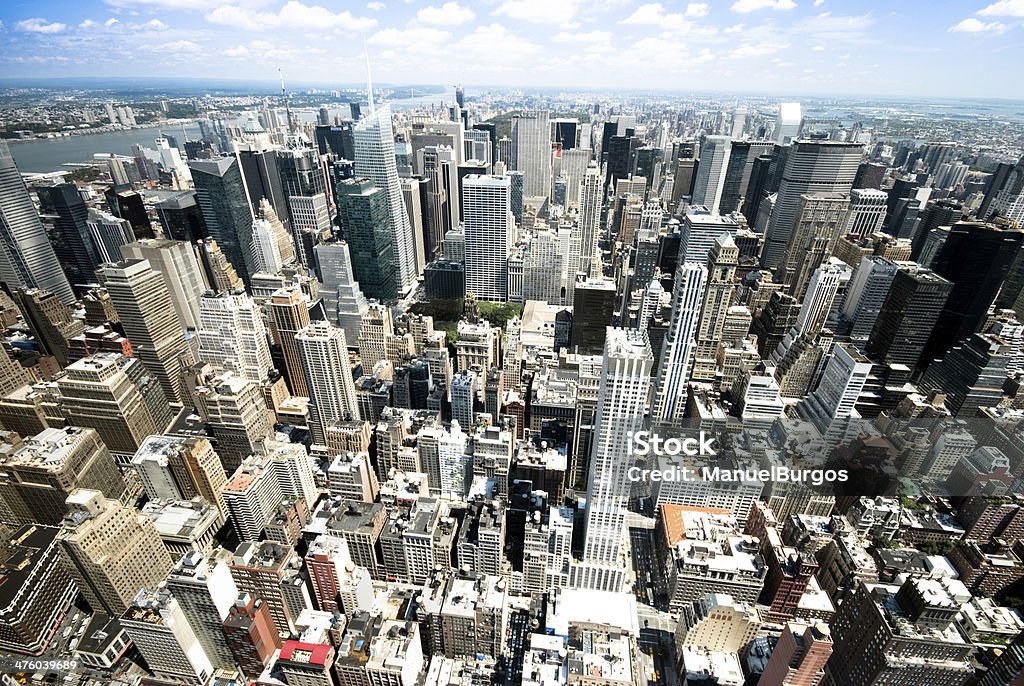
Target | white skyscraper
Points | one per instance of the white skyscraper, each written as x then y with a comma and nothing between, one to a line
821,295
543,265
841,384
574,168
700,230
26,257
787,123
680,344
232,335
531,145
332,391
343,300
109,234
866,212
490,235
591,195
714,159
266,254
176,262
621,402
375,159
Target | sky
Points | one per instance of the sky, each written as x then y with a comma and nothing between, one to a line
939,48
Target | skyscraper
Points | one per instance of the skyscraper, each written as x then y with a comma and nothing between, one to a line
866,213
677,352
26,257
332,390
811,167
112,551
70,233
738,172
205,591
907,317
221,194
177,264
589,223
232,335
158,338
289,314
788,122
976,257
622,396
375,160
490,234
710,181
717,300
366,225
531,149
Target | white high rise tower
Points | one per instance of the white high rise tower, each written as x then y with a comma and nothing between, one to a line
531,145
714,160
621,402
232,335
375,159
677,353
332,390
490,235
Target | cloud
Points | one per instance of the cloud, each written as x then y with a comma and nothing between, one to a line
155,25
179,46
826,22
184,4
744,6
1003,8
237,52
421,39
972,25
87,24
294,15
37,25
448,14
480,44
652,14
756,49
539,11
376,6
586,37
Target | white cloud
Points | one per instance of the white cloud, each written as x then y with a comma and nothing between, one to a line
180,46
972,25
697,9
376,6
818,48
819,2
486,41
585,37
539,11
448,14
87,24
826,22
744,6
155,25
1003,8
293,15
652,14
110,22
185,4
735,28
237,52
419,39
757,49
37,25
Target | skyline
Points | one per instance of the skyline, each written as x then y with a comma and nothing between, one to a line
811,47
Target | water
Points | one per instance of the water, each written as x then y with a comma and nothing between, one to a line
42,155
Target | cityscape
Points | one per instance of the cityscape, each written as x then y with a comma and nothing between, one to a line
696,364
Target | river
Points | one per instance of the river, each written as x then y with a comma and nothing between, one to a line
42,155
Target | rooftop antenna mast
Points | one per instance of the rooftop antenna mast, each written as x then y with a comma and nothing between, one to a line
369,80
287,107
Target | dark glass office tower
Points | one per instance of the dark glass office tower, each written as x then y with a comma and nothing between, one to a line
738,172
907,317
337,139
70,233
620,158
366,225
226,210
976,257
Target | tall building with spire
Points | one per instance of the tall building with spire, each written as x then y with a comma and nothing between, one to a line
375,160
26,257
622,397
